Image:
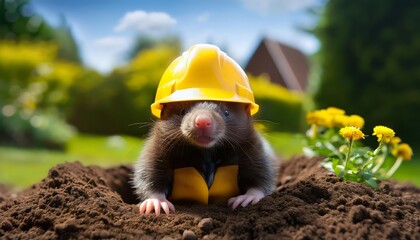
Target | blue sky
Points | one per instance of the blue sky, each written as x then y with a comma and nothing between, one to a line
104,29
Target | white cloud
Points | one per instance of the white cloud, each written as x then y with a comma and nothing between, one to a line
111,42
302,41
272,6
203,17
145,21
309,44
106,53
104,57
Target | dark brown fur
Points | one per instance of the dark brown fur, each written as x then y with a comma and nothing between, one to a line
168,148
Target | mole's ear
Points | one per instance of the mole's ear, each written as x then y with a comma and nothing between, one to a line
248,109
163,112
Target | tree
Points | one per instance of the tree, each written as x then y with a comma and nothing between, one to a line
19,22
145,42
67,46
369,62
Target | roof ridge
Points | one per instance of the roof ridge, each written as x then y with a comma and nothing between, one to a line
286,69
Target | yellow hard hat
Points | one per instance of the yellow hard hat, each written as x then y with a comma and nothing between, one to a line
203,72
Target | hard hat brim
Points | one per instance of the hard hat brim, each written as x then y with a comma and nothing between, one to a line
202,94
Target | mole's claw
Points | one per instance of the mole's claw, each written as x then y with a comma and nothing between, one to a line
247,200
142,207
253,196
165,207
149,207
155,204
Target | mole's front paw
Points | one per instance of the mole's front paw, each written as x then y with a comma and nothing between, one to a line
253,196
155,204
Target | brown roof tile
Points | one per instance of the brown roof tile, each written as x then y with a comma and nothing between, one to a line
284,65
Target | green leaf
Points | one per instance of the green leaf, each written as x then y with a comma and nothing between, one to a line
371,182
335,161
337,167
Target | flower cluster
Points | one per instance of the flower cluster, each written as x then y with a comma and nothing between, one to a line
334,117
334,134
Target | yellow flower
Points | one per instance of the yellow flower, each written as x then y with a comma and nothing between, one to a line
353,133
320,118
340,120
403,150
383,133
312,117
394,141
335,111
356,121
325,117
345,121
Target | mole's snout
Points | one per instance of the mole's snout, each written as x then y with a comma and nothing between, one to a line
203,121
203,125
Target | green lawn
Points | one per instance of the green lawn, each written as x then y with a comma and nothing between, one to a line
285,144
409,171
23,167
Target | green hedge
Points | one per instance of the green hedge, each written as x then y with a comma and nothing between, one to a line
34,88
120,103
280,109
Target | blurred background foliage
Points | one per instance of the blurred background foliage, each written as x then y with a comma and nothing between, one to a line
368,64
288,115
121,103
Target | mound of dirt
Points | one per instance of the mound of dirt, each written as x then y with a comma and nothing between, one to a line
77,202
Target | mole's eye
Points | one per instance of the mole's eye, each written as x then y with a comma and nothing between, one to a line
182,111
226,113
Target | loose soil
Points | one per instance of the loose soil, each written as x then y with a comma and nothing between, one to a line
78,202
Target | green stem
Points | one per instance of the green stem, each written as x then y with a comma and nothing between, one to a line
314,130
378,149
348,155
381,160
367,163
375,153
394,167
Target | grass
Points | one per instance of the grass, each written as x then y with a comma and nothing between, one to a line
105,151
285,144
23,167
409,171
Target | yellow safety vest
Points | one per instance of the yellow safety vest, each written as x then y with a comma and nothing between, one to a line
189,185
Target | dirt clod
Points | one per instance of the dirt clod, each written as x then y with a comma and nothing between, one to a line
206,224
358,214
78,202
189,235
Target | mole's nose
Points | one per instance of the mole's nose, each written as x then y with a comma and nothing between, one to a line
203,121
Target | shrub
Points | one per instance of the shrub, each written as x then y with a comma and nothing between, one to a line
280,109
34,85
37,130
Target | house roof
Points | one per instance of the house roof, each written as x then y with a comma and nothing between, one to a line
284,65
